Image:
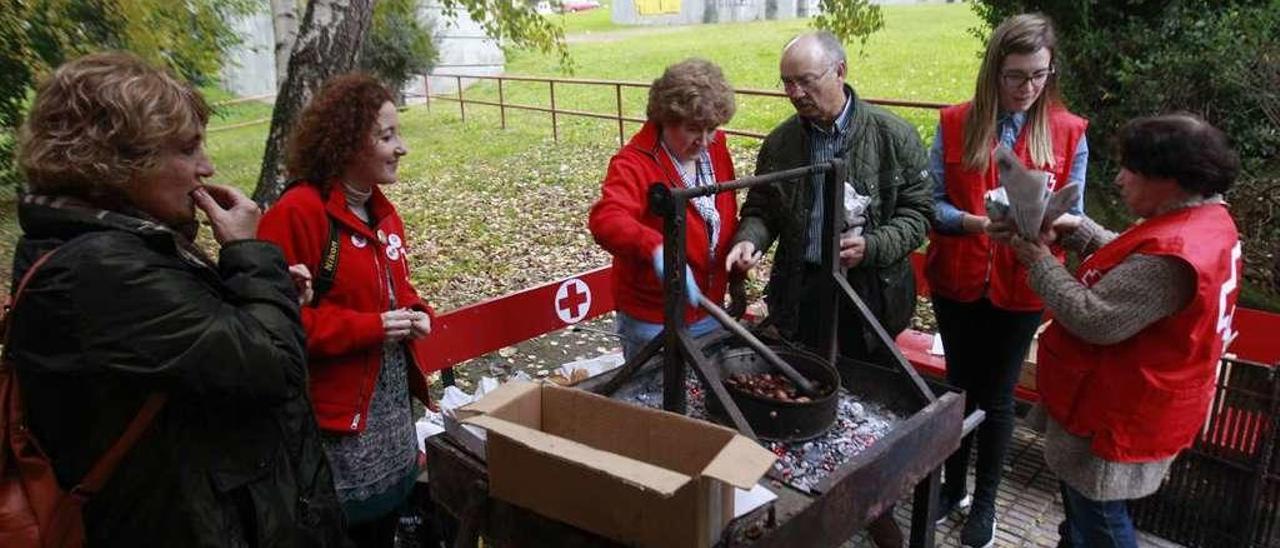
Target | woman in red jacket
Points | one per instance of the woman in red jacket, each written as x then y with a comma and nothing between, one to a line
679,146
986,313
365,323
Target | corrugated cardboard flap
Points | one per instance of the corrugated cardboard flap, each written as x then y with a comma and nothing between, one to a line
497,399
631,471
740,463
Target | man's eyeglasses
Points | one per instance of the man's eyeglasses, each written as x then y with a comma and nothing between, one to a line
805,82
1015,79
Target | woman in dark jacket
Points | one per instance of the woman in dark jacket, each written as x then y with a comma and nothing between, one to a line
126,307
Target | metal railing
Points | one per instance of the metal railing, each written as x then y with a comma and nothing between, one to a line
618,114
236,101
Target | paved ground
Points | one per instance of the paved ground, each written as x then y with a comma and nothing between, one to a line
1028,508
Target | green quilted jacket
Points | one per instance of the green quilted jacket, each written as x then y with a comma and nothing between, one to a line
887,161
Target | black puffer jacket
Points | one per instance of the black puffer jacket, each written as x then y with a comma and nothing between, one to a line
121,311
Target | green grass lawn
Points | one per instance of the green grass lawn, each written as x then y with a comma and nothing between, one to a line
924,53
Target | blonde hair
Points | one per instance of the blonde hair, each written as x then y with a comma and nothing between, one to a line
691,91
100,120
1021,34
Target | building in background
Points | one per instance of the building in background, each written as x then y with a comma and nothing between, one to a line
250,68
464,49
690,12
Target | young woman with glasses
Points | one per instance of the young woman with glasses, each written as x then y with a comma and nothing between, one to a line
987,315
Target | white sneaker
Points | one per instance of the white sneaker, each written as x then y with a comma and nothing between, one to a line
962,504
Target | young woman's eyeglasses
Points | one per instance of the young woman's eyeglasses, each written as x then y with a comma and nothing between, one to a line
805,82
1015,79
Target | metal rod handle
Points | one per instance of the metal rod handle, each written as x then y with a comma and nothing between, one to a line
756,180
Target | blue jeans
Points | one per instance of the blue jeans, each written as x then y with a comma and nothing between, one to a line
635,333
1094,523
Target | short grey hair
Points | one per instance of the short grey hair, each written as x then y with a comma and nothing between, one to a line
831,45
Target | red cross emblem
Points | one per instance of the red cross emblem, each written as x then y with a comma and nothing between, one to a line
573,300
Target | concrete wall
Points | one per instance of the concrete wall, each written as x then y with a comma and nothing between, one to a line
251,66
690,12
464,49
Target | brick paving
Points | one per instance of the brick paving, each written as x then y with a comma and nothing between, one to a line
1028,508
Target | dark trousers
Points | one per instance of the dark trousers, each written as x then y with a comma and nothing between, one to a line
379,533
1094,523
985,347
856,339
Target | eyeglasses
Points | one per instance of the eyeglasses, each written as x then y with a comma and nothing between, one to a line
1016,79
805,82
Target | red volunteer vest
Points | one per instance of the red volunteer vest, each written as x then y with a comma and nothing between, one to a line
1144,398
965,267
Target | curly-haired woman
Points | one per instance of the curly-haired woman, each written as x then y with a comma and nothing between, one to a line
680,146
365,324
127,314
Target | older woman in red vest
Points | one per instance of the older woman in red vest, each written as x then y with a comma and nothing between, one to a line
1127,365
986,313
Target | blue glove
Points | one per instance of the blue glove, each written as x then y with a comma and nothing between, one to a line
691,290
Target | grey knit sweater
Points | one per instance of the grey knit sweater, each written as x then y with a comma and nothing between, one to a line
1139,291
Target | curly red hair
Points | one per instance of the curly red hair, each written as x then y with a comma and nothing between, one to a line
335,126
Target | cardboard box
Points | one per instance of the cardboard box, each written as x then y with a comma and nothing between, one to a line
1027,379
641,476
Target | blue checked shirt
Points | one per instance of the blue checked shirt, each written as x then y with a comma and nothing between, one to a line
825,145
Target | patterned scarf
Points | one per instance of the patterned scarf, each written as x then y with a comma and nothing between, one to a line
704,174
131,220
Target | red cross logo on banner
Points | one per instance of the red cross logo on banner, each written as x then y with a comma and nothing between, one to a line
573,300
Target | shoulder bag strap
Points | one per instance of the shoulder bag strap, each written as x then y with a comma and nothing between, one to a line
106,464
328,263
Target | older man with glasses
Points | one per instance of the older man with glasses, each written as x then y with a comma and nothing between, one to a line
888,170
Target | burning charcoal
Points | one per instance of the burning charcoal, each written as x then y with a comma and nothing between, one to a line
856,410
803,465
814,455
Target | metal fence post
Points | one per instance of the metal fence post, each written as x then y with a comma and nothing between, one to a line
502,104
462,105
617,89
555,128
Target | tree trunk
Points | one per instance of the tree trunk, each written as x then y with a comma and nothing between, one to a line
284,18
328,45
